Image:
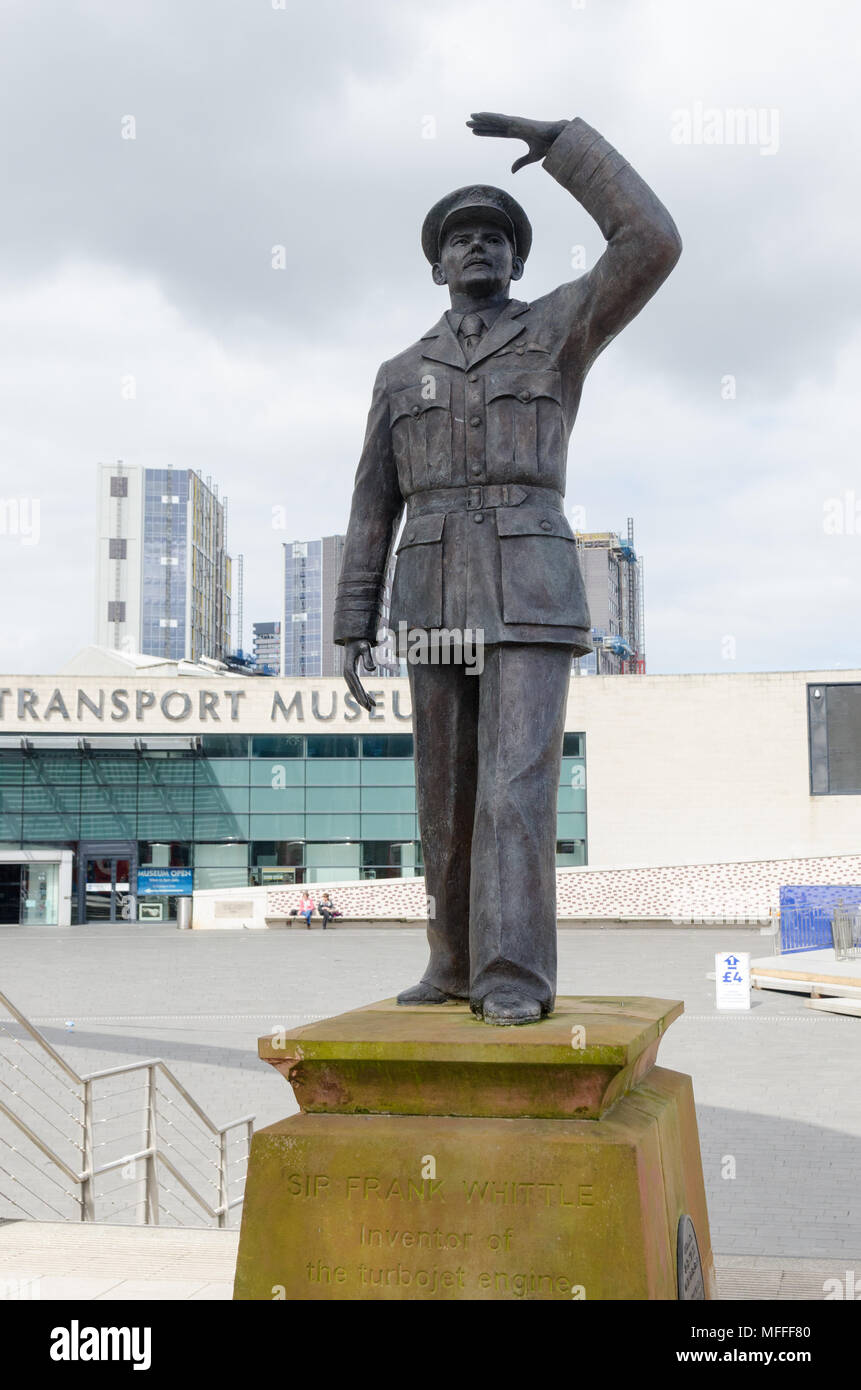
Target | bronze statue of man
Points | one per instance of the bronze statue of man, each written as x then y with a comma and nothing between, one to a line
469,429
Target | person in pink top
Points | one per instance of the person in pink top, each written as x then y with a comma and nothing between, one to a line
306,908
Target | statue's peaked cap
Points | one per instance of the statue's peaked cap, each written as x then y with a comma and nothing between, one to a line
480,197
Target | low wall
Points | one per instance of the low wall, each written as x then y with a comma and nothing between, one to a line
229,908
698,894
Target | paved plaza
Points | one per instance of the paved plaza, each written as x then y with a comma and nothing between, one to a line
777,1088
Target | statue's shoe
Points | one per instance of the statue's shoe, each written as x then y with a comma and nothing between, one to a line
507,1007
423,993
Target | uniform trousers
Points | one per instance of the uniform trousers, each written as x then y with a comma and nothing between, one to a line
488,750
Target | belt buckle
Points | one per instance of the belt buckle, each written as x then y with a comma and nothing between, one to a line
474,499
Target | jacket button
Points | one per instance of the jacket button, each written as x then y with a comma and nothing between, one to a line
545,526
473,376
477,516
416,409
475,421
519,351
477,469
526,395
411,536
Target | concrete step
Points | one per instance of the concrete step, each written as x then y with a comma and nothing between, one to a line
57,1260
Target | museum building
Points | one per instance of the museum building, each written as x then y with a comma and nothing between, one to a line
122,792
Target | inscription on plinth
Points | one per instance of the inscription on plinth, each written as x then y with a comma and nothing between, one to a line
424,1239
375,1234
427,1205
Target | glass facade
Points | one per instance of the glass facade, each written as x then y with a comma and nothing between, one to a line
303,608
242,809
165,506
311,570
834,727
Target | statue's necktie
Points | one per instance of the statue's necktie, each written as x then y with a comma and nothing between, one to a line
471,331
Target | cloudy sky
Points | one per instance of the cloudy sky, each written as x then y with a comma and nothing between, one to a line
722,420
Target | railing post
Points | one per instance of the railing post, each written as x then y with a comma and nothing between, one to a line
88,1201
222,1179
151,1199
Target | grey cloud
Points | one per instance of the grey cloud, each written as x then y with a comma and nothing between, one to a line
257,127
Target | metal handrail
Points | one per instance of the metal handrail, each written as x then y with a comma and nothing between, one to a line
152,1153
34,1138
166,1071
40,1039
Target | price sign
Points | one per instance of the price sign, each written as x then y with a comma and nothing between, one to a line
732,980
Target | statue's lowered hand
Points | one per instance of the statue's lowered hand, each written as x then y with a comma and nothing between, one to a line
353,653
539,135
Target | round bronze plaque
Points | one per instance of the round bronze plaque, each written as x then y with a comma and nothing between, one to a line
689,1266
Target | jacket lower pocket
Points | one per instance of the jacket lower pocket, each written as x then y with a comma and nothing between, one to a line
541,581
417,586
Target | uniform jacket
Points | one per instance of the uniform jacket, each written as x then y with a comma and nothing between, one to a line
508,564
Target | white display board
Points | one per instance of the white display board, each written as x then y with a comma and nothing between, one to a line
732,980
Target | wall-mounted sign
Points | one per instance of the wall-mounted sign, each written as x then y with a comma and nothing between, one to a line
30,710
732,980
173,882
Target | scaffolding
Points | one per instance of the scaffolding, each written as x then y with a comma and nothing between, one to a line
620,646
239,608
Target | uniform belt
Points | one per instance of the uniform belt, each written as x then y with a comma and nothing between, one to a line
481,497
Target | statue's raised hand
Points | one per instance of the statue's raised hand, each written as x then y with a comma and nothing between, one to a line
539,135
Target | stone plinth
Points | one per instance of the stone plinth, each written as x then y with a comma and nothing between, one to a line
436,1157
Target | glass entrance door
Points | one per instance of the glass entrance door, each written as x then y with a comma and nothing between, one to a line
105,886
10,894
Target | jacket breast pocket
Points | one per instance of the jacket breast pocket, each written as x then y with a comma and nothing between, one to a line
541,577
420,420
524,422
417,585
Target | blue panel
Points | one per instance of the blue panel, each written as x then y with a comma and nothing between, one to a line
570,826
389,800
227,826
230,800
390,827
227,772
339,800
164,826
284,827
387,772
163,880
332,772
321,827
273,772
269,800
806,914
99,827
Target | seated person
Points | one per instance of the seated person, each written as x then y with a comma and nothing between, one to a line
327,910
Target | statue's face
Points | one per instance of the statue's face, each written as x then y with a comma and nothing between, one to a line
476,259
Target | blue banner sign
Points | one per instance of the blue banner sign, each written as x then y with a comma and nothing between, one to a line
175,882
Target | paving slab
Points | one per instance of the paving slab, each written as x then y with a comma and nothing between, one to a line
778,1102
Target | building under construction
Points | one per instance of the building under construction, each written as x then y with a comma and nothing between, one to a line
613,575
